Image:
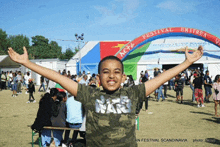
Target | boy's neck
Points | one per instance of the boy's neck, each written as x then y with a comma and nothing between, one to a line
110,92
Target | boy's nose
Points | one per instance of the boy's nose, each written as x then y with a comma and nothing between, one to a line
111,75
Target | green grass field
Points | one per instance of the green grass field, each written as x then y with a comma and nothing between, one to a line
164,124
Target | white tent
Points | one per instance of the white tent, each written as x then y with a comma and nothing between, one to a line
157,53
72,63
6,62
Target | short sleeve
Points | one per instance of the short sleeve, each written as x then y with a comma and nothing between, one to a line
140,91
83,93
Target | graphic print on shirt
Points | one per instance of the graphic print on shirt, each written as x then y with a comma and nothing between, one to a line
115,106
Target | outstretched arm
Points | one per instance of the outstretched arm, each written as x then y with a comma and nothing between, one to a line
153,84
65,82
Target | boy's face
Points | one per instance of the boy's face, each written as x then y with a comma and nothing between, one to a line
111,75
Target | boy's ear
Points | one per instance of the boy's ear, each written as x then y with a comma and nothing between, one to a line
124,78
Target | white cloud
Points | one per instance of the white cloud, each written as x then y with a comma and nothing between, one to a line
119,11
179,6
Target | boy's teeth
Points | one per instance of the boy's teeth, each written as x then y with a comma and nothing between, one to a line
111,82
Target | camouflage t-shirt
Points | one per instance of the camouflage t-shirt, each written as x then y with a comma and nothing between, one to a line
110,118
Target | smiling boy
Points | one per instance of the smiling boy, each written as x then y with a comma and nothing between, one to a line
110,113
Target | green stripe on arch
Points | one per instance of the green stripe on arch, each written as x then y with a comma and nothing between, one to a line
130,62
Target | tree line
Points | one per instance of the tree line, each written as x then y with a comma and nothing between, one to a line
41,48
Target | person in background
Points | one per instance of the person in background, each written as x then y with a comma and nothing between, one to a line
44,115
73,77
64,72
156,71
207,86
26,78
88,75
3,80
141,77
14,84
31,90
10,80
216,95
146,75
92,82
160,92
42,84
74,118
58,118
165,86
68,74
191,78
197,84
179,84
47,82
130,81
19,78
84,80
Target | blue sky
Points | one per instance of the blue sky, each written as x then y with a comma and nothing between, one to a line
105,20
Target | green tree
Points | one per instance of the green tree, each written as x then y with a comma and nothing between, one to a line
18,41
42,49
39,47
55,50
68,54
3,43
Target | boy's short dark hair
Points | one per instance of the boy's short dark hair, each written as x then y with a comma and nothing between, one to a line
110,58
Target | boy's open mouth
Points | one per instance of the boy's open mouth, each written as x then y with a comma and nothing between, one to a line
111,82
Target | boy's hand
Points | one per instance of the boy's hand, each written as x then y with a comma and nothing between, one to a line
16,57
195,56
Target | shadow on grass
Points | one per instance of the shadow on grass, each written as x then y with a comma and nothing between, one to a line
212,141
215,120
170,96
189,103
170,100
204,113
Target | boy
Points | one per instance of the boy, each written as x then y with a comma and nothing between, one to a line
110,113
31,90
179,83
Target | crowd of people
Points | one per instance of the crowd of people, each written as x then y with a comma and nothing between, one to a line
197,81
110,110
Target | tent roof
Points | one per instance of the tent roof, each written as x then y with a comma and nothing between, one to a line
6,62
88,46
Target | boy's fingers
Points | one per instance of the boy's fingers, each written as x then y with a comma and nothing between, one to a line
10,51
186,48
25,50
